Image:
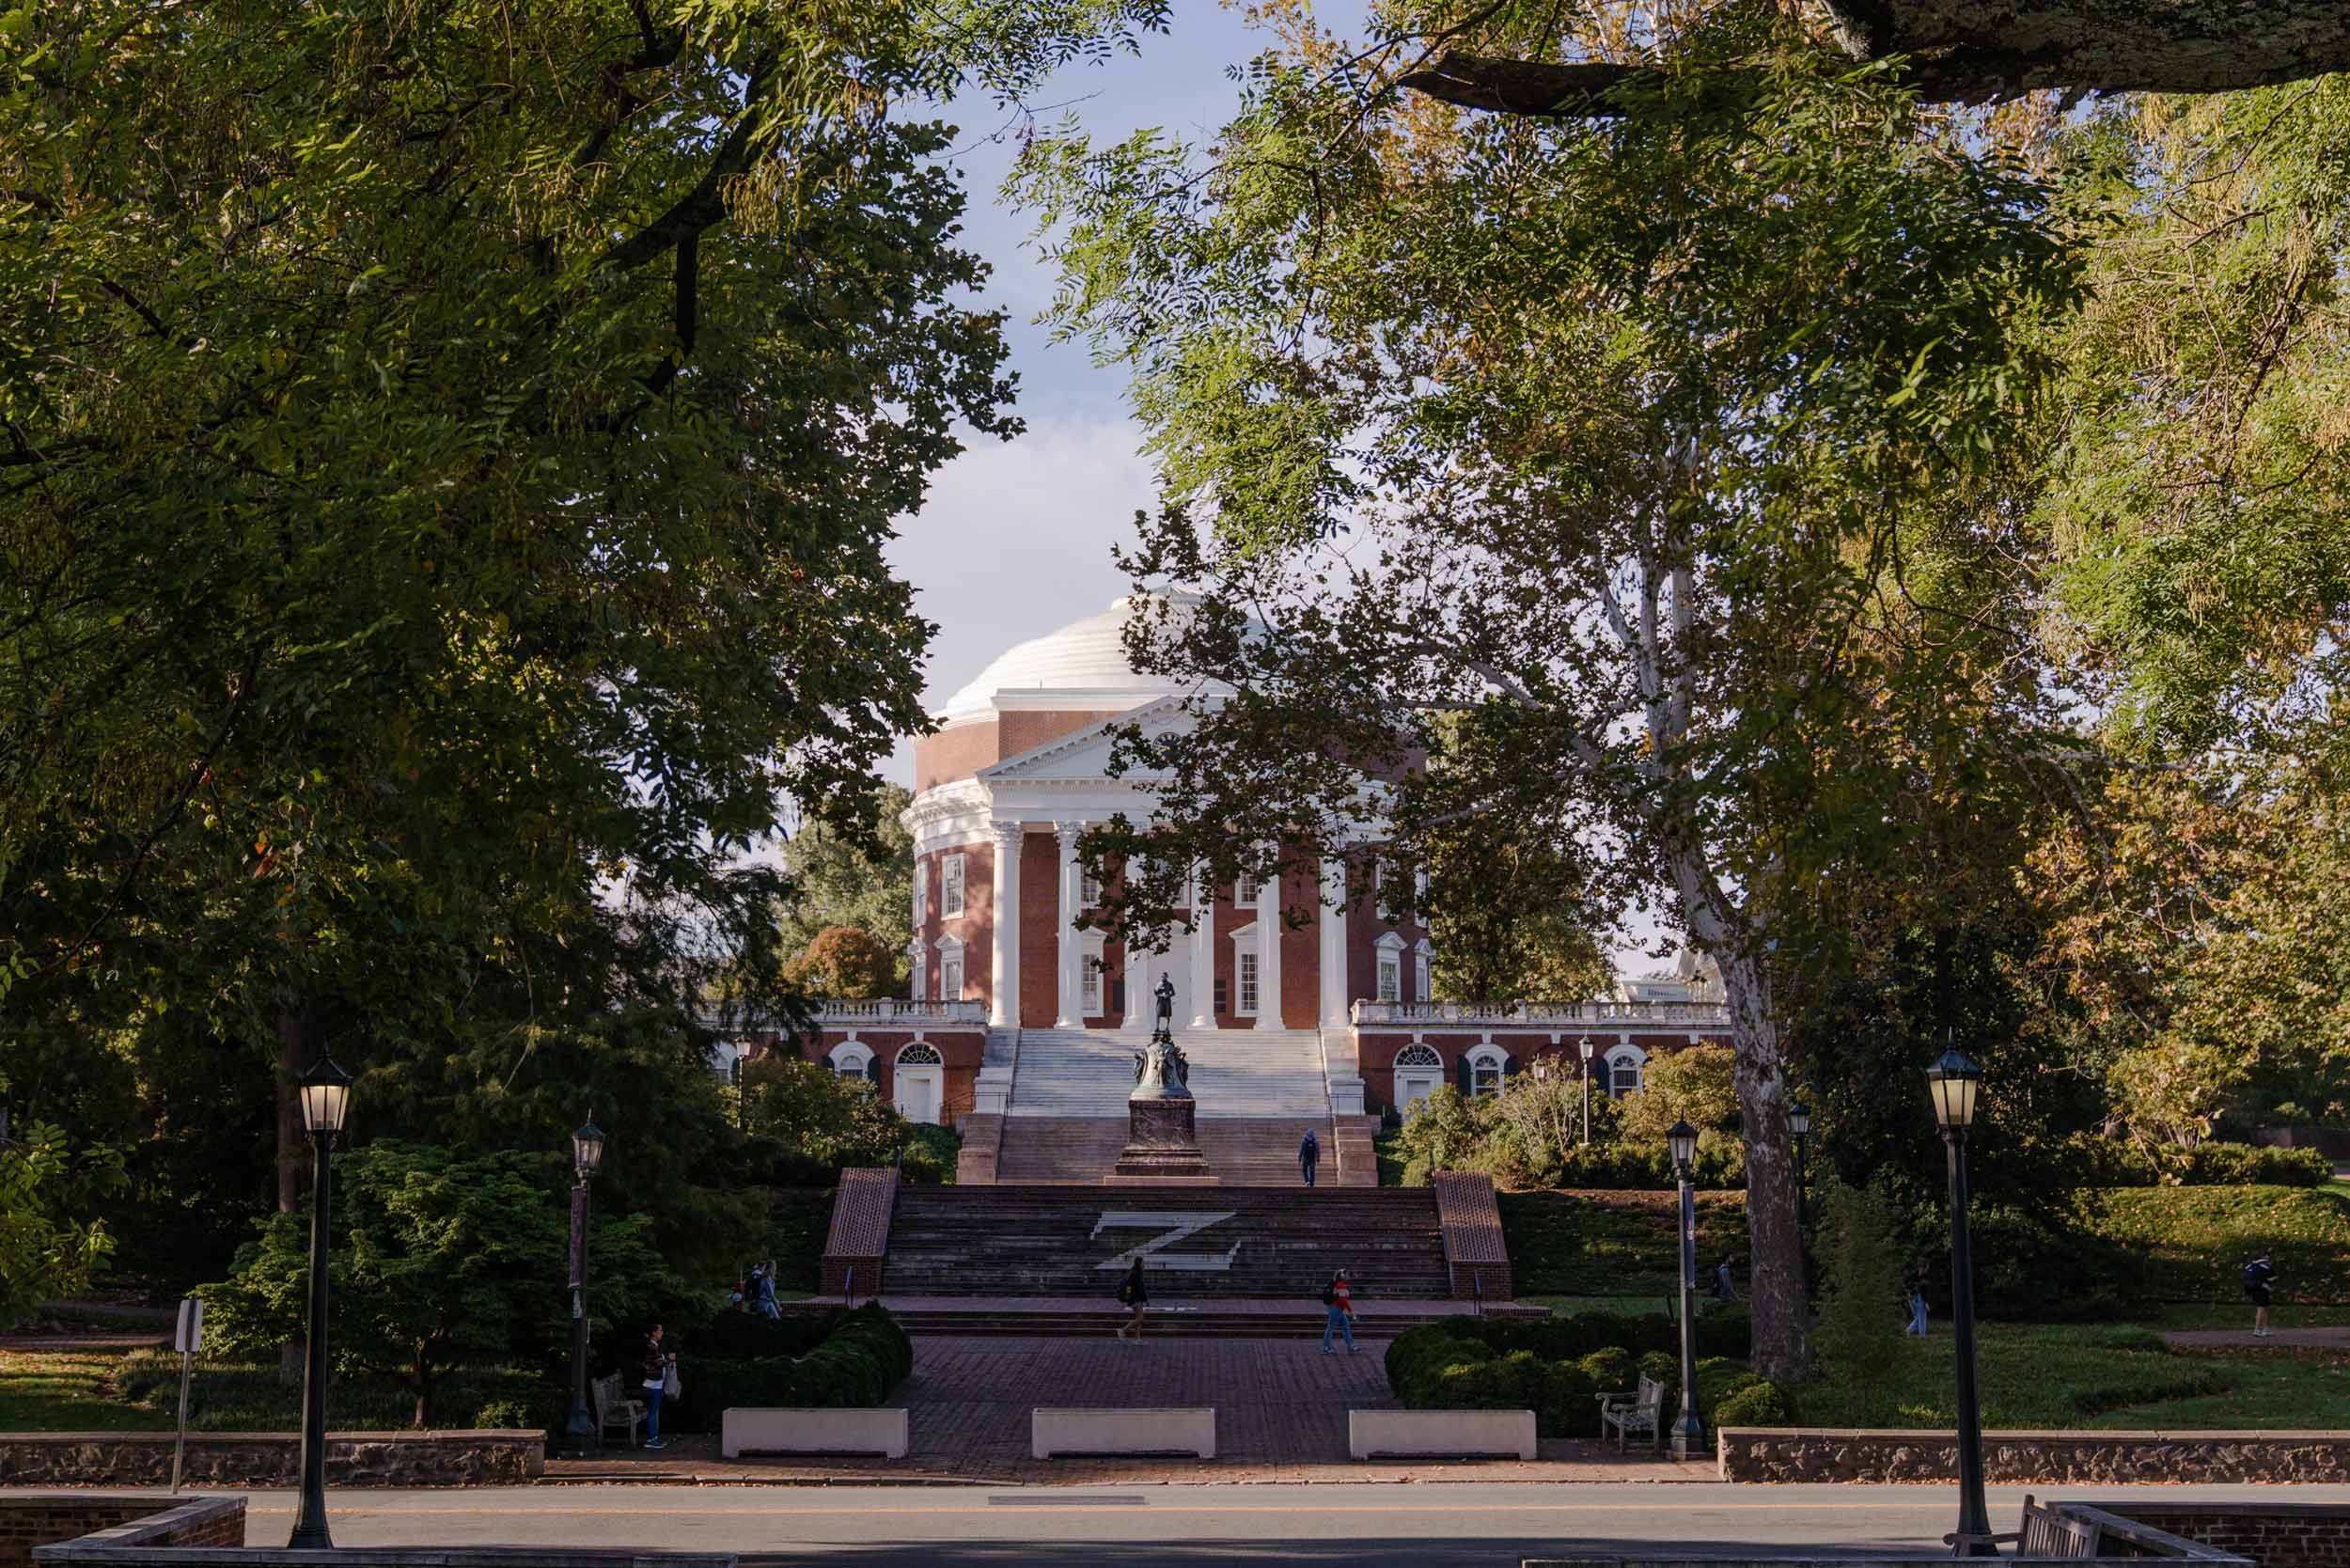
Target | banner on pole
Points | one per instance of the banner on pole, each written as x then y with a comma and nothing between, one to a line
579,1236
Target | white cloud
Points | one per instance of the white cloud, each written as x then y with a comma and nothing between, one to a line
1015,541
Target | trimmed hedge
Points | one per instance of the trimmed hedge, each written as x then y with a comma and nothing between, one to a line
2192,1243
2117,1164
1556,1367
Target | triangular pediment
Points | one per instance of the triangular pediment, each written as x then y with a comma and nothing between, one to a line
1086,754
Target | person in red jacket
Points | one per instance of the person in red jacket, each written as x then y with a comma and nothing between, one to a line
1338,1297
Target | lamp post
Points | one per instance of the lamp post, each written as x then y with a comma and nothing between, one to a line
586,1155
325,1094
1687,1434
1954,1082
1799,1123
1584,1045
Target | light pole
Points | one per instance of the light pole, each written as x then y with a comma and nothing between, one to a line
1954,1082
586,1155
1799,1123
1687,1434
1584,1045
325,1093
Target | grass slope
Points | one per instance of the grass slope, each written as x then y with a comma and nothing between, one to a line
1591,1244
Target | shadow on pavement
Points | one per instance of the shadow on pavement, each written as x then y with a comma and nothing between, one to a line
1366,1552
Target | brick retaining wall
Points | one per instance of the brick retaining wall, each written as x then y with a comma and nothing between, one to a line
2275,1535
219,1459
1794,1454
41,1519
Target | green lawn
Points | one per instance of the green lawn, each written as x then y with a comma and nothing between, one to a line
2072,1375
2196,1241
66,1391
1576,1244
107,1391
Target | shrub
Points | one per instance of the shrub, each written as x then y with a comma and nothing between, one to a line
1760,1402
929,1155
1610,1370
1727,1330
1569,1406
505,1415
1860,1335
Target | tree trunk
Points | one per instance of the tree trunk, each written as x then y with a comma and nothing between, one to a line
1782,1326
422,1375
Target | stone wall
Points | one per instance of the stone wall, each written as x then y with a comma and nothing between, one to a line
2275,1535
227,1459
41,1519
1765,1454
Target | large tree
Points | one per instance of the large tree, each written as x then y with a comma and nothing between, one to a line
1671,446
446,455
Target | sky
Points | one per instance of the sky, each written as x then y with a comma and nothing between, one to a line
1015,538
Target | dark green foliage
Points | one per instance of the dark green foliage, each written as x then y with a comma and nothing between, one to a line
2192,1243
1611,1244
929,1153
813,1360
1762,1402
2118,1164
1858,1335
1552,1366
799,1221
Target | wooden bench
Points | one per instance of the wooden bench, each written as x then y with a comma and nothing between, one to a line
1639,1411
2045,1532
613,1409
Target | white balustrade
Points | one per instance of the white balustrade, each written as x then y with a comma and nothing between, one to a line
1548,1014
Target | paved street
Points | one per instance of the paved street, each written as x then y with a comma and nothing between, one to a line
1468,1523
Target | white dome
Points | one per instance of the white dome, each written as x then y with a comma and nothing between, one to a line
1087,655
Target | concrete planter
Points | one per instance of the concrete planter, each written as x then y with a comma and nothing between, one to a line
768,1430
1449,1433
1125,1430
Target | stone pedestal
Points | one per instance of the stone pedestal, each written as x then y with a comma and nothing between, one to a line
1162,1142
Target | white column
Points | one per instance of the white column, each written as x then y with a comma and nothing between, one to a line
1003,962
1334,997
1202,951
1071,954
1269,951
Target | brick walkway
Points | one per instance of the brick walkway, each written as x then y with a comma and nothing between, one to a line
1280,1416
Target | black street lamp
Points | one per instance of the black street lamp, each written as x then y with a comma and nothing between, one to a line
1687,1434
1584,1045
1954,1082
586,1155
1799,1123
325,1094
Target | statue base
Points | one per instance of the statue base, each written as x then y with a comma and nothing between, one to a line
1162,1142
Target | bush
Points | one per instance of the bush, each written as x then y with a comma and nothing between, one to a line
505,1415
2192,1243
927,1158
2114,1163
1760,1402
1611,1371
1611,1244
1557,1366
1859,1334
819,1360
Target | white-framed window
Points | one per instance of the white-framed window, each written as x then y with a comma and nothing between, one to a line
1245,967
1422,956
1091,968
1389,987
1245,888
1626,1065
919,1055
922,892
915,957
950,969
951,884
1088,888
852,1059
1485,1068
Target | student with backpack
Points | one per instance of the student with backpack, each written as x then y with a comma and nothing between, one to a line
2260,1279
1130,1293
1338,1296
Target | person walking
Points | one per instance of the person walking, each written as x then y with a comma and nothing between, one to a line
2260,1279
764,1277
1725,1288
1308,1155
1338,1296
1130,1293
658,1360
1917,1308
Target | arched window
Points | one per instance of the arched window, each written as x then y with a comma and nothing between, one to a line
1625,1064
852,1059
919,1055
1418,1056
1418,1071
1484,1066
